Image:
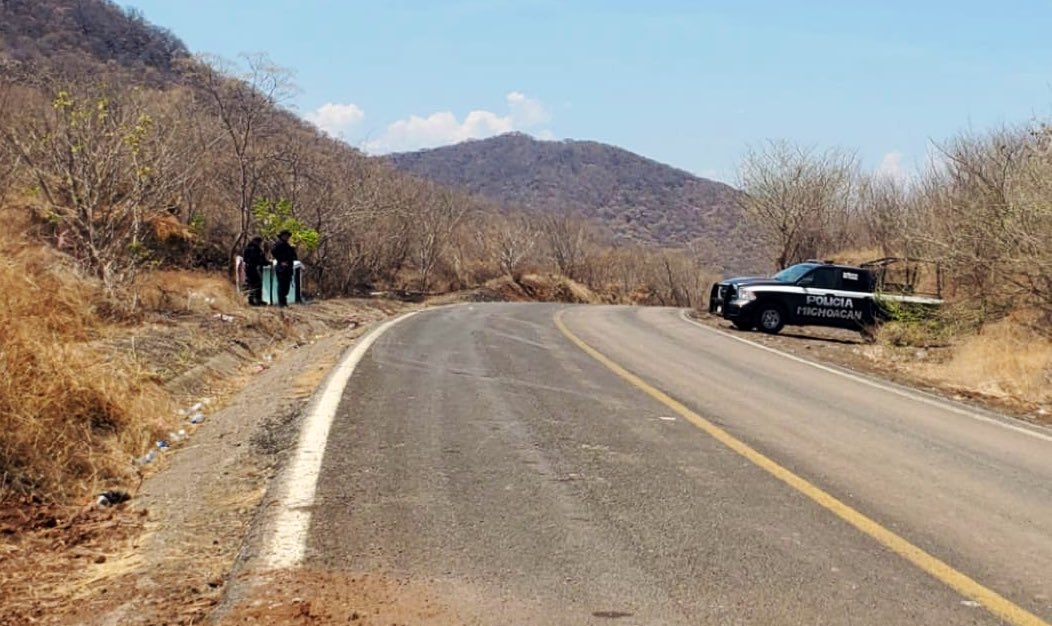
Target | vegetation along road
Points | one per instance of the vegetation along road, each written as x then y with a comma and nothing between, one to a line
547,464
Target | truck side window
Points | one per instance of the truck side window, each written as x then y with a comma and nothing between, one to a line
824,278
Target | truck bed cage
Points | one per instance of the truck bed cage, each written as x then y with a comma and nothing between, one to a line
906,275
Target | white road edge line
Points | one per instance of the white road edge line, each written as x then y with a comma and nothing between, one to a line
912,395
287,543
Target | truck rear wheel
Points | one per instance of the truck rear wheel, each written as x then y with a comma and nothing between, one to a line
770,318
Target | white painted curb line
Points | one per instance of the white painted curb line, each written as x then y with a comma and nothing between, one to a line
287,543
912,395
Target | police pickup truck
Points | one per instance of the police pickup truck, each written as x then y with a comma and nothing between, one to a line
811,294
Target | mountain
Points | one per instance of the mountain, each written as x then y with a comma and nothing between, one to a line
635,198
70,36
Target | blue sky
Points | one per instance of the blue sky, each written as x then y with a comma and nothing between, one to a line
690,84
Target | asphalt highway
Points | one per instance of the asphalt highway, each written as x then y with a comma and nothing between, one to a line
549,464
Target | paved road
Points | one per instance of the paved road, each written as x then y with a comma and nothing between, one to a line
479,450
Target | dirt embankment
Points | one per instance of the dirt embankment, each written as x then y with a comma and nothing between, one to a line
163,556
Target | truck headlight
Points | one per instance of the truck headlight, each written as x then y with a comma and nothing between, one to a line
745,295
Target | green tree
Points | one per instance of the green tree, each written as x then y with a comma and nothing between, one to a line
274,216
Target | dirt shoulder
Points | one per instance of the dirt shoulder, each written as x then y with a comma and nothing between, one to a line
165,556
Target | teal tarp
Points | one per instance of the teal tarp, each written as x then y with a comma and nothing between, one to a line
270,284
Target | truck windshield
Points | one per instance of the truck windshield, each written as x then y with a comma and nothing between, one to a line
793,273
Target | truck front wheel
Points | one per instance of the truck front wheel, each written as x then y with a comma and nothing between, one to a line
770,318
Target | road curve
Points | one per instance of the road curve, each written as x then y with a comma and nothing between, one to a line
479,450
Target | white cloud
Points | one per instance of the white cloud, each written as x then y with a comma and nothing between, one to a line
891,167
336,119
443,128
526,112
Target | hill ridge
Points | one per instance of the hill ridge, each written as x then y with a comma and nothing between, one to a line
634,197
69,37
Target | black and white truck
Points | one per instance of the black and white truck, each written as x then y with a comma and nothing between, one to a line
816,293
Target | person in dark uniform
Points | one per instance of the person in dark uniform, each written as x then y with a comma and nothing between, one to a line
285,255
254,261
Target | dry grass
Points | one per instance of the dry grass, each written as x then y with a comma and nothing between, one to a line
542,288
74,412
190,292
1007,360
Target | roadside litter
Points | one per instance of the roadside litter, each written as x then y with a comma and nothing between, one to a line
112,497
194,415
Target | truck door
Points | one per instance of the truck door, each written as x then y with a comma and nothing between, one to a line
858,285
821,302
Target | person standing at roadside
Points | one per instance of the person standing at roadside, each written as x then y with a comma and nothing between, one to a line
284,254
254,260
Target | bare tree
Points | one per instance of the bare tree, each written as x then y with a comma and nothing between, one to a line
792,194
991,221
339,197
373,234
11,99
509,241
685,280
438,215
886,212
566,237
105,167
247,101
617,270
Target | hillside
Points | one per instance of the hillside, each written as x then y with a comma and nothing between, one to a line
635,198
87,35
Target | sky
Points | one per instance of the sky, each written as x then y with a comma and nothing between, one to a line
689,83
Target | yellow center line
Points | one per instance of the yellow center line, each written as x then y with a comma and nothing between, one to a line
960,582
